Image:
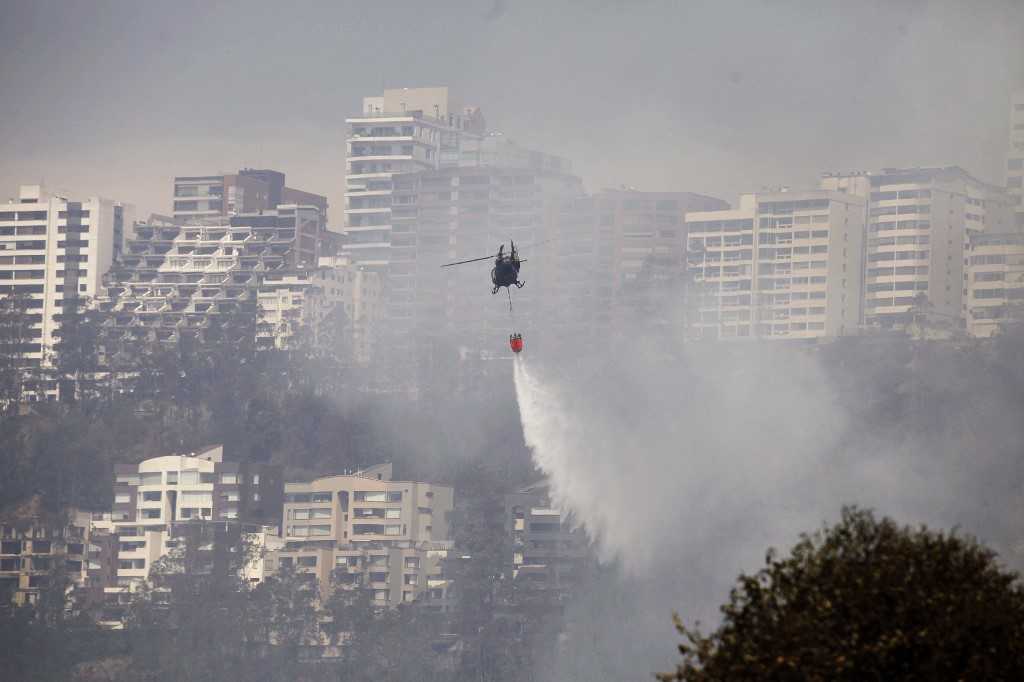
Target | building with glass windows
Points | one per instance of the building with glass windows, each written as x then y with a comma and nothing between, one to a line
52,250
163,502
919,223
365,530
404,130
995,282
783,265
1015,159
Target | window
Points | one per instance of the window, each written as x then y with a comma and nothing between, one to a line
395,496
321,497
172,478
300,514
320,513
189,477
378,577
229,479
151,513
153,478
151,496
392,530
320,530
371,496
412,562
306,561
297,497
122,498
392,513
367,529
41,547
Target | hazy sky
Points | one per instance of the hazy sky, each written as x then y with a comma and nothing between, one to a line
718,97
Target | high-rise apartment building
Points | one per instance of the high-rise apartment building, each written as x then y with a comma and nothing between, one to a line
1015,158
404,130
202,197
459,213
782,265
54,249
364,529
995,281
918,225
640,242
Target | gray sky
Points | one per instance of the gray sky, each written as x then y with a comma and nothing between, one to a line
720,97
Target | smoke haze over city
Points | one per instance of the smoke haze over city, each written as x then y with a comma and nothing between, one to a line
471,340
714,97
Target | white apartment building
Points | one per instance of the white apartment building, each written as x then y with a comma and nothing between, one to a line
995,282
402,131
159,498
53,248
1015,158
782,265
919,223
364,529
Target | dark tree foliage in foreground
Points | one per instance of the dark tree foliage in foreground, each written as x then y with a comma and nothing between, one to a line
867,600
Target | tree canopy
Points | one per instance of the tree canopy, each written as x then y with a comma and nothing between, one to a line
866,599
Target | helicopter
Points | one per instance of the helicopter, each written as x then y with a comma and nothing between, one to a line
505,272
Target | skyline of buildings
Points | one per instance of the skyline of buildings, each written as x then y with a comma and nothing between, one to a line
427,183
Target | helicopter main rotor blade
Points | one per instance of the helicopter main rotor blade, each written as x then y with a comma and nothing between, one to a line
471,260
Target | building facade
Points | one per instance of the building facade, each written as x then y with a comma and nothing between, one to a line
460,213
365,530
162,500
1015,159
546,551
404,130
36,547
782,265
203,197
336,305
919,223
994,282
172,278
52,250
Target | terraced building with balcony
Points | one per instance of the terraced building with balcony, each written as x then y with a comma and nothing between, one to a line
173,278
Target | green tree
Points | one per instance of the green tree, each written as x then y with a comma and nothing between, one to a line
15,340
866,600
78,352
